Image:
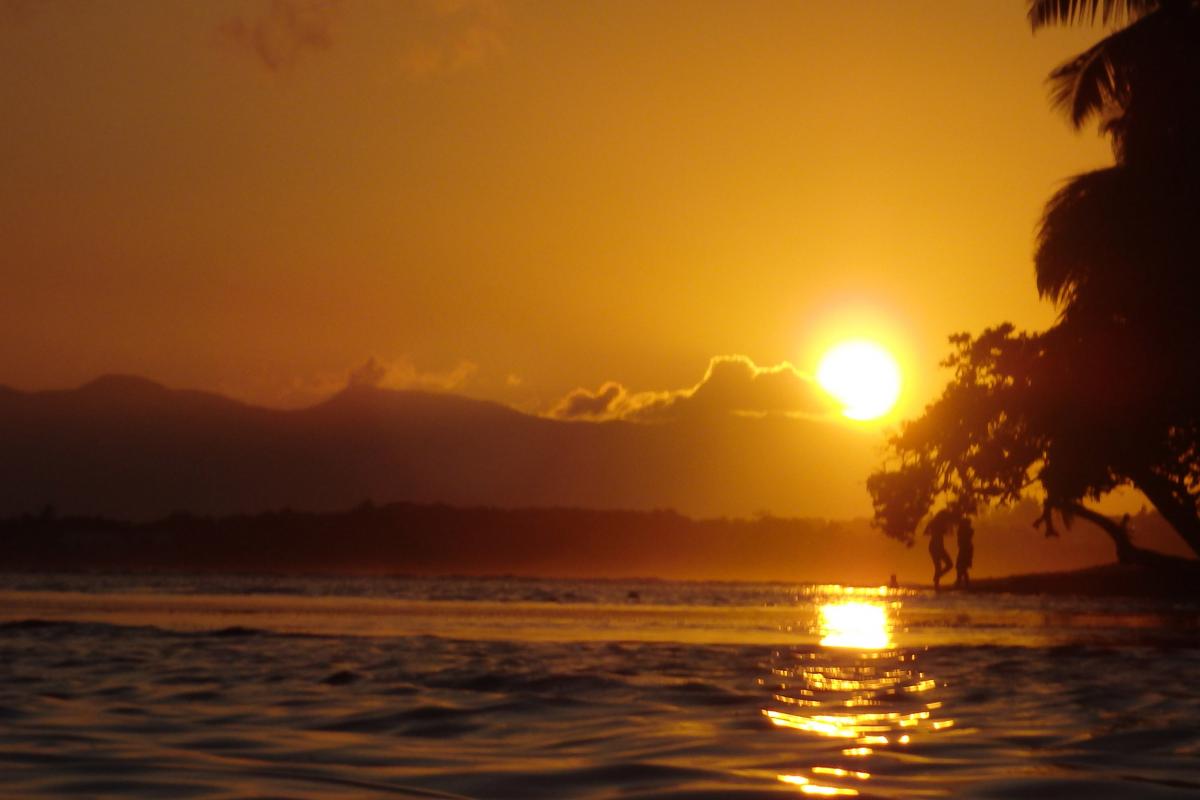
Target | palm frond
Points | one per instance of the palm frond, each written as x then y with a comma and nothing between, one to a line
1083,86
1099,78
1070,12
1074,247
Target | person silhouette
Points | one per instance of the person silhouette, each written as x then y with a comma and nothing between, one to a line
936,530
966,553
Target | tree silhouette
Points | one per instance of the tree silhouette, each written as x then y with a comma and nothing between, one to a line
1139,81
1109,395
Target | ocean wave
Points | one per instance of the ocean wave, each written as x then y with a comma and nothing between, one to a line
142,712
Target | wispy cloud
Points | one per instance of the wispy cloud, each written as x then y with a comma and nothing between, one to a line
375,372
284,31
732,385
604,403
403,374
430,37
446,36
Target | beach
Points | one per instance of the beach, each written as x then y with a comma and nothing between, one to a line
177,686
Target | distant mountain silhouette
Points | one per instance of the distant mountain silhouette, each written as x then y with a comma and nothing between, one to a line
130,448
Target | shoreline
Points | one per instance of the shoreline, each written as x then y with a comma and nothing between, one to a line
1181,582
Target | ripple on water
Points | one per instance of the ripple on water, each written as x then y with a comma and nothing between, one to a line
92,708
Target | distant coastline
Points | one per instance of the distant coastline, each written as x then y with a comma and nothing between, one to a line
440,539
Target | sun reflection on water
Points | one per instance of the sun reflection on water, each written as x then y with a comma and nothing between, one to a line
858,690
855,624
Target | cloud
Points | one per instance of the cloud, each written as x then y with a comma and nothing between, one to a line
284,32
429,37
583,404
399,373
732,385
735,385
403,374
370,374
447,36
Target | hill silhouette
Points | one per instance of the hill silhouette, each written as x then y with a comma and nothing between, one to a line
129,448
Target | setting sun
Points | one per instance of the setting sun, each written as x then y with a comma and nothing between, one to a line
862,376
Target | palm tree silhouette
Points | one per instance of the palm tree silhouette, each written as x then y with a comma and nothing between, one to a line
1140,81
1112,235
1118,252
1118,248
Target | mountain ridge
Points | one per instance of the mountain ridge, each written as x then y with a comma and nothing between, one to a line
129,447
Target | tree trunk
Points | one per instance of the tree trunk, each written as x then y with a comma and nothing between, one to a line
1181,516
1127,551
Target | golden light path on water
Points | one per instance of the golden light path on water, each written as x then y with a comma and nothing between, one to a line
857,688
855,624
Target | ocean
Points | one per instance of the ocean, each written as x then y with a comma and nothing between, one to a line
244,686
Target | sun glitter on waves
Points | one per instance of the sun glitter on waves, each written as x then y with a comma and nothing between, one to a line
855,624
862,376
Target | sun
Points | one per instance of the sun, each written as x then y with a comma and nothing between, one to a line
862,376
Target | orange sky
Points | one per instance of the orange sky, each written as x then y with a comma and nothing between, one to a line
514,200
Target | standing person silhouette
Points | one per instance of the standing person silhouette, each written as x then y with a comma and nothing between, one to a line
936,530
966,553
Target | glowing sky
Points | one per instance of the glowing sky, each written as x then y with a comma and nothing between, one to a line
514,200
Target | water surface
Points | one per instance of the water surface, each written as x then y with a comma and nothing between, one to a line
168,686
